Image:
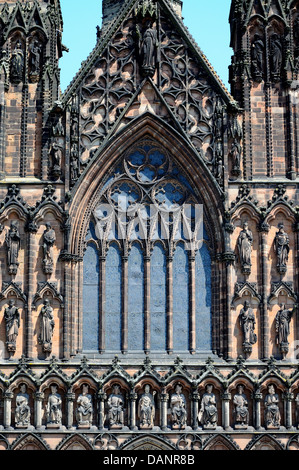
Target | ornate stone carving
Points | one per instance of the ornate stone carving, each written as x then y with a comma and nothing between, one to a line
49,238
245,242
208,414
22,413
116,404
46,327
241,412
17,64
12,322
84,411
282,326
247,323
13,242
272,412
257,58
282,249
178,408
53,409
147,409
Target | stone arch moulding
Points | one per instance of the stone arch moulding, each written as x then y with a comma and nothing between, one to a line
147,443
87,189
29,442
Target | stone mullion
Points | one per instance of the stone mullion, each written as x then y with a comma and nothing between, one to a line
192,304
133,398
164,403
229,325
101,397
265,328
226,398
125,287
8,396
102,303
80,306
169,302
70,399
147,304
257,411
288,399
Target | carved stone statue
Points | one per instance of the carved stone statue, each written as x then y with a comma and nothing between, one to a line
47,327
55,154
22,413
148,48
75,172
17,64
116,404
235,153
13,242
282,325
247,323
35,59
49,238
147,409
245,242
178,408
241,409
282,249
272,413
257,57
84,412
208,414
53,410
12,322
276,56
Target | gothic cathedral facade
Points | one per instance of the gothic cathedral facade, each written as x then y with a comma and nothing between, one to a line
149,232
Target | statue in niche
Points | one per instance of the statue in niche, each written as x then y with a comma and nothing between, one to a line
235,153
282,326
12,322
84,412
74,127
147,409
208,414
13,243
58,129
22,413
49,239
75,173
55,154
149,45
276,56
241,409
272,413
282,249
257,57
245,242
247,323
34,59
47,327
178,408
17,64
116,404
53,409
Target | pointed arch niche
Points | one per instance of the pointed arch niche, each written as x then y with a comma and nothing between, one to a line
146,282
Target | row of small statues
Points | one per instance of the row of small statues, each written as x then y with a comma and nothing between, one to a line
17,61
13,244
281,248
207,417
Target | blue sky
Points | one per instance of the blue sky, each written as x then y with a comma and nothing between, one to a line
207,22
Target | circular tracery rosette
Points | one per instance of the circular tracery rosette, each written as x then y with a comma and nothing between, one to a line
146,164
125,196
169,196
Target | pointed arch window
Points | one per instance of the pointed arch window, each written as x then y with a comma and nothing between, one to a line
148,287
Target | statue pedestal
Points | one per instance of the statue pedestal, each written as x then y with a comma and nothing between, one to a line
53,426
177,427
116,427
84,426
147,427
210,427
21,426
241,427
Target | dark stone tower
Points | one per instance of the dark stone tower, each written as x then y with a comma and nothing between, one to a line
30,38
